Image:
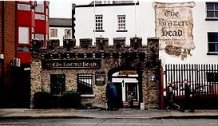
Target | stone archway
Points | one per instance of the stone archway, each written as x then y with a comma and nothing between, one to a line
127,80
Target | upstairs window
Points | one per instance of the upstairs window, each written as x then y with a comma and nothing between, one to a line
121,22
23,7
213,42
39,36
39,16
99,23
53,33
67,34
84,84
40,7
212,10
23,35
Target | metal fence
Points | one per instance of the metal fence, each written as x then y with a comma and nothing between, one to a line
203,79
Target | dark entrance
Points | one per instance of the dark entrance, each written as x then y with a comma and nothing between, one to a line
127,81
119,92
21,91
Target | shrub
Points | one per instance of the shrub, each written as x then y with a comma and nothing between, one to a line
71,99
41,100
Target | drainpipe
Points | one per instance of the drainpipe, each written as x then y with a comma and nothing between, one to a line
3,37
2,51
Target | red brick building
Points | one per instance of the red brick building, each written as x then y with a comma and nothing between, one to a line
20,23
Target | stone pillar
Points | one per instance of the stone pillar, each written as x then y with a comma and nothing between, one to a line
36,83
119,43
153,49
135,42
85,43
153,72
69,43
101,43
52,44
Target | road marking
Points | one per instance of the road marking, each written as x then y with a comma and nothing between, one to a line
13,123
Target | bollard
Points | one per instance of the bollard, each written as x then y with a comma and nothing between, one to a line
142,106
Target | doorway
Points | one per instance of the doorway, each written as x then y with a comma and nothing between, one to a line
127,84
119,92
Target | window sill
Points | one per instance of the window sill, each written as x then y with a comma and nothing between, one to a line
212,53
87,96
98,30
211,19
122,30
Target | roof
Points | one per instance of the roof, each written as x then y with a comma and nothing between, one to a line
112,3
60,22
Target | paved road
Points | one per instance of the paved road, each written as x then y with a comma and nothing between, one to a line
110,122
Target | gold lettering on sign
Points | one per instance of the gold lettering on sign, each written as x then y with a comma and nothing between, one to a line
174,26
71,64
127,72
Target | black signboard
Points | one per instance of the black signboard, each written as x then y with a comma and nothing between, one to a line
100,78
71,63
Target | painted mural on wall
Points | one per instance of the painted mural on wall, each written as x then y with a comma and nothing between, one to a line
174,26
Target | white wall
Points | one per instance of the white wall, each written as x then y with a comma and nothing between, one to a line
146,28
85,22
60,34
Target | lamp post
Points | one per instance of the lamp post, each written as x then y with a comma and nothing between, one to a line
135,1
94,24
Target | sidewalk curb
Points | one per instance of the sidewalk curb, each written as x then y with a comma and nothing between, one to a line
86,117
47,117
189,117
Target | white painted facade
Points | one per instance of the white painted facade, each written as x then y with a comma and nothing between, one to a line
85,22
61,33
140,21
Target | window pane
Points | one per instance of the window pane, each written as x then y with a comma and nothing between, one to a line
24,7
40,7
99,22
216,47
211,47
210,6
67,34
40,16
53,32
84,85
121,22
23,35
216,14
216,6
213,37
39,36
210,14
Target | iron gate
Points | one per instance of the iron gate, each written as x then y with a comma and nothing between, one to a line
203,79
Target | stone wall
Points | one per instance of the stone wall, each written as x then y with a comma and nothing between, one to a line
128,57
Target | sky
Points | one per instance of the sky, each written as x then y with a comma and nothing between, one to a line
63,8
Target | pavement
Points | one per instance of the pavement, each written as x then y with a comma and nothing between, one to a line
124,113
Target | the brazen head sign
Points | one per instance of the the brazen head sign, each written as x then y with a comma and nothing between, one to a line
174,24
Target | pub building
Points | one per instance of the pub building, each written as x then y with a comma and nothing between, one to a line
87,68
